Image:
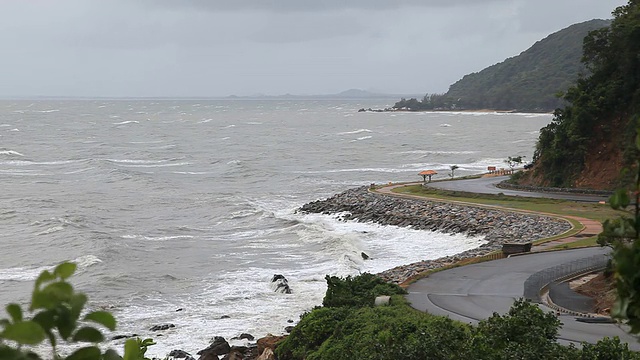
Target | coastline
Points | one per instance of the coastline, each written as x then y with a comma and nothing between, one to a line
497,226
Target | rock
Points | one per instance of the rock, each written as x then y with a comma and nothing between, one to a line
364,256
118,337
244,336
280,284
180,354
161,327
289,329
269,342
267,355
225,317
219,346
180,309
241,353
290,321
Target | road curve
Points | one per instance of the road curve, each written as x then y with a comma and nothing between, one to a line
487,185
474,292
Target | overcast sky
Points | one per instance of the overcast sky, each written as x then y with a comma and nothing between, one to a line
244,47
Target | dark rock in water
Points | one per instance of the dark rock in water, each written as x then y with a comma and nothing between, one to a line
290,321
280,284
242,353
225,317
118,337
244,336
180,309
180,354
162,327
289,329
364,256
219,346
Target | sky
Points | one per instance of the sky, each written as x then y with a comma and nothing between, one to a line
187,48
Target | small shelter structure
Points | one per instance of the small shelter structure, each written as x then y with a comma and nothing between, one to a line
426,173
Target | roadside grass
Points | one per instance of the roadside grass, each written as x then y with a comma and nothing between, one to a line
587,242
599,212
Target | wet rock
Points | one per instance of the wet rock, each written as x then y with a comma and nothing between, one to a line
161,327
219,346
180,354
118,337
225,317
289,329
364,256
244,336
280,284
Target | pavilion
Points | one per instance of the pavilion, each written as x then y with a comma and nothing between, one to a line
426,173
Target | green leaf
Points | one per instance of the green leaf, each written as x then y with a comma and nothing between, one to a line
65,322
24,332
77,304
61,291
103,318
15,312
45,318
40,300
44,276
111,355
131,350
86,353
88,334
65,270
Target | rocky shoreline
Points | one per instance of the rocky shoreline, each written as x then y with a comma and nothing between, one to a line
359,204
497,226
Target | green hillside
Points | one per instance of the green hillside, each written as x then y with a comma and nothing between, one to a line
527,82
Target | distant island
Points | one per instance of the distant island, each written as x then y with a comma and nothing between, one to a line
530,82
351,94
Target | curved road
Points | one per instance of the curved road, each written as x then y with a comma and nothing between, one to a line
474,292
487,185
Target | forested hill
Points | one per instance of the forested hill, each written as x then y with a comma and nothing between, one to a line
527,82
531,80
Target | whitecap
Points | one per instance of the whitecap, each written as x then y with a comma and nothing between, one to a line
156,238
51,230
445,125
355,132
364,138
10,152
127,122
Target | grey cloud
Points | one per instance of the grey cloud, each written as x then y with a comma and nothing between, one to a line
310,5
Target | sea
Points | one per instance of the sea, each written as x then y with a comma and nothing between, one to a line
181,211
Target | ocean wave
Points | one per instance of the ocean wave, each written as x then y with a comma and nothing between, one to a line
127,122
157,238
438,152
31,273
363,138
10,152
355,132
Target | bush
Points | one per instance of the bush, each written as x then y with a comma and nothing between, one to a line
357,291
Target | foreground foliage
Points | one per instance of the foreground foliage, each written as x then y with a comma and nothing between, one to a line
59,317
623,234
397,331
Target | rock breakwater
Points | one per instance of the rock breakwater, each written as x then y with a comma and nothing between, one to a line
497,226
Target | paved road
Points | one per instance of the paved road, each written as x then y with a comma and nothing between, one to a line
473,292
488,186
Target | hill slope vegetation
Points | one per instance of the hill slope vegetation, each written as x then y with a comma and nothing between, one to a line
530,81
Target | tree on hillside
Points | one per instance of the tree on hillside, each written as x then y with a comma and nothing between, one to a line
514,161
453,169
600,104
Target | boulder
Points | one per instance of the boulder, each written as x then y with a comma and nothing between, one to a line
219,346
241,353
180,354
267,355
269,342
289,329
280,284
